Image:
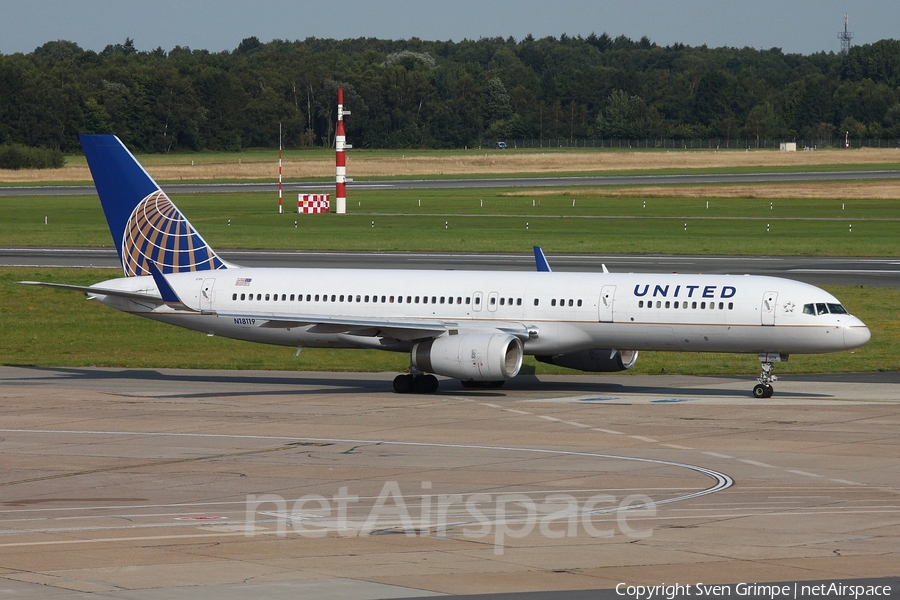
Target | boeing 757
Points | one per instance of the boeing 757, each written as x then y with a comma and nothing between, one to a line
474,326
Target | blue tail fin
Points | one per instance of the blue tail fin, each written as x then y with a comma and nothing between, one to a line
144,223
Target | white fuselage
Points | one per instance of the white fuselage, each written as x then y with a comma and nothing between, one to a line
561,312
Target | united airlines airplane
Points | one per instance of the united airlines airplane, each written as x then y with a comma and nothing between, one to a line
470,325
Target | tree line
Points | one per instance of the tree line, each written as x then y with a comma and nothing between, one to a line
433,94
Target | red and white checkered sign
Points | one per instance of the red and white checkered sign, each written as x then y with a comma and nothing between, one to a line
313,203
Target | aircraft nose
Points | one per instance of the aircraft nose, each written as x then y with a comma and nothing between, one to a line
855,333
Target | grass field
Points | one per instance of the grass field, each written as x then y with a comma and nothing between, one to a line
690,220
310,164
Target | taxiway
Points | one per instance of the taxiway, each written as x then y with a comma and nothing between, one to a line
146,484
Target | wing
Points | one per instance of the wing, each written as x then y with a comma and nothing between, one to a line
397,328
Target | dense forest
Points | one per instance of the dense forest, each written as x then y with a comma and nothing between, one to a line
422,94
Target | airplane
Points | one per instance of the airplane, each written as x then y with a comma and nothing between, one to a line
475,326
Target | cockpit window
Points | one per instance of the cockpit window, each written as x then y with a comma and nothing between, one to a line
822,308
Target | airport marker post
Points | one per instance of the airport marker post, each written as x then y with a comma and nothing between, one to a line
340,171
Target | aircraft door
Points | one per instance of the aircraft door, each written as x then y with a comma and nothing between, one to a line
607,299
492,301
476,301
767,309
207,294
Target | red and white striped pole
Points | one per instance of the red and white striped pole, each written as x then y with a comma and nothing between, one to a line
280,207
340,171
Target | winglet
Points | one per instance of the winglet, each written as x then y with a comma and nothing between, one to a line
169,296
540,260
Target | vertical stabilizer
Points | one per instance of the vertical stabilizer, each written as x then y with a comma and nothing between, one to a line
144,223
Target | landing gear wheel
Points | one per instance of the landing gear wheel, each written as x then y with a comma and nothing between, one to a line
402,384
426,384
763,391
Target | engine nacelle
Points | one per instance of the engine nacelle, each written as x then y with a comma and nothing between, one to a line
475,357
596,360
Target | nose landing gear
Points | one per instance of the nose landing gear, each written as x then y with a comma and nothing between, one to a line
764,388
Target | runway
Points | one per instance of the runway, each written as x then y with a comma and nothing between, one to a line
475,183
146,484
817,270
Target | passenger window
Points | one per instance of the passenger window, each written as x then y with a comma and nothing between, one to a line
658,304
477,300
317,297
553,302
703,305
292,297
721,305
308,297
283,297
493,301
450,300
242,296
667,304
518,302
640,304
234,296
730,305
333,297
391,299
267,296
694,304
409,299
676,304
502,301
424,299
342,297
536,302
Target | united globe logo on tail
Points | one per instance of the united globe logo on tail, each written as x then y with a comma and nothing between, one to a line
158,232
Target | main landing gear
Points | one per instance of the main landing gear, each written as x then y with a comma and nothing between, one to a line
764,388
415,384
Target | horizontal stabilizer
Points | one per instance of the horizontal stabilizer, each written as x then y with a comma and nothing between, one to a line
95,291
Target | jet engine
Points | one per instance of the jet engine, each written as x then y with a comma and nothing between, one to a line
473,357
597,360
